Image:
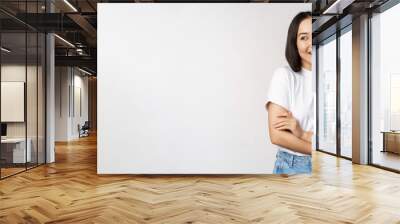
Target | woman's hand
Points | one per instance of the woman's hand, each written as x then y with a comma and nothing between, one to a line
282,137
286,121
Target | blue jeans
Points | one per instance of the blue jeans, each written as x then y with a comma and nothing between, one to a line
287,163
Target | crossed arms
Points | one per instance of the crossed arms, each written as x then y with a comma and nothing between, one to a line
285,131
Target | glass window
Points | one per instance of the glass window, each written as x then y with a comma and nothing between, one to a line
385,89
41,98
31,101
346,94
14,150
327,96
22,92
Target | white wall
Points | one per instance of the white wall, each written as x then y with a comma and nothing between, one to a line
67,116
61,103
184,89
18,73
80,84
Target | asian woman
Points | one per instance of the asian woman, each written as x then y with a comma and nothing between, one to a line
290,102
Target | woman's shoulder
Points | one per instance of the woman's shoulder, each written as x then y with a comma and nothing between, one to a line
283,72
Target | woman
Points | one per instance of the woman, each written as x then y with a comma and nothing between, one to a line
290,101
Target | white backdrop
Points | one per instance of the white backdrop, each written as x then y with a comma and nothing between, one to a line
182,87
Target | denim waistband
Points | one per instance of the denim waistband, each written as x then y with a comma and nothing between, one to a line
291,158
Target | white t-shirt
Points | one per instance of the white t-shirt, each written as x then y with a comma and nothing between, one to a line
295,92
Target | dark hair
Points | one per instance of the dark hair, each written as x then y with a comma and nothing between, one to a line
292,53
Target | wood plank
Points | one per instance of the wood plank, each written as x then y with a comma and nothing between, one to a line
70,191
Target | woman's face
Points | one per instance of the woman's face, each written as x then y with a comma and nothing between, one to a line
304,42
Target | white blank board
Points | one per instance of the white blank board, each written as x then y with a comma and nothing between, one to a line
12,101
182,87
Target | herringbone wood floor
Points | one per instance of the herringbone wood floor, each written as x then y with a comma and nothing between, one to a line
70,191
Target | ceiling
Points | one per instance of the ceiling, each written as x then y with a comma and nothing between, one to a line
76,22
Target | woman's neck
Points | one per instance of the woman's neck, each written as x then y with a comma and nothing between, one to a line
306,66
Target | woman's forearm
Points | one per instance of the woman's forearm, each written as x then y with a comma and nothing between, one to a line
307,136
285,138
288,140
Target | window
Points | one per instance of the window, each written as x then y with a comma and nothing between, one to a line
346,93
385,89
22,65
327,96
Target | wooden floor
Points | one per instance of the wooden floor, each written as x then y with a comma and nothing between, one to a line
5,172
9,171
70,191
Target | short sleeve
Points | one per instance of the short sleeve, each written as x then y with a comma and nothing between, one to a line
278,91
